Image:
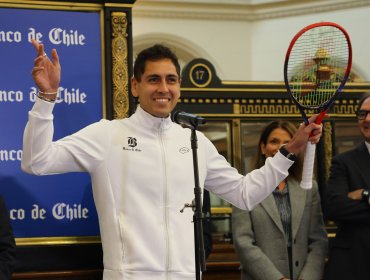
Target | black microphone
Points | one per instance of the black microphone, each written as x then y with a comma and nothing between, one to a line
181,117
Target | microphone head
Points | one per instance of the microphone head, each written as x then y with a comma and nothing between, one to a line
180,117
174,116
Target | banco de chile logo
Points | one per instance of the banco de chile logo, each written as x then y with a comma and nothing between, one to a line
131,144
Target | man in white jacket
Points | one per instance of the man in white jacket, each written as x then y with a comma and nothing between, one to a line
141,169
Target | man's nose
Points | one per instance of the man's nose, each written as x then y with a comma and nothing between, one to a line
163,87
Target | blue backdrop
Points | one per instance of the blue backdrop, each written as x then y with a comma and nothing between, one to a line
58,205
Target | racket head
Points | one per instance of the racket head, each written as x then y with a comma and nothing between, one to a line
317,65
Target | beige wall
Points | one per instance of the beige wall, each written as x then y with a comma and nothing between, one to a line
246,41
272,37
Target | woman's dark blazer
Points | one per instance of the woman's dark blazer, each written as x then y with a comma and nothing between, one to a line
349,255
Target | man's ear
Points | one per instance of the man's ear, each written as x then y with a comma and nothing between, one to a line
134,83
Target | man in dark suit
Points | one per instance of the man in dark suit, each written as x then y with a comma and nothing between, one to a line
7,244
347,203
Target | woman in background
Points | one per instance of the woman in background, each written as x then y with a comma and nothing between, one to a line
284,236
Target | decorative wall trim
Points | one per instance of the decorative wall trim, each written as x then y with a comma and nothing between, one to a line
267,106
50,5
120,76
240,12
250,99
64,240
236,145
328,142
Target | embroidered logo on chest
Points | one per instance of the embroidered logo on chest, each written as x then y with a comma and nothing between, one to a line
131,145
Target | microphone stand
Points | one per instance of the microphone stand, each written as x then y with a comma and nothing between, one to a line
200,262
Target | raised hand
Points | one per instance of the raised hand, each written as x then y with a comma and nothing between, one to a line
46,72
305,133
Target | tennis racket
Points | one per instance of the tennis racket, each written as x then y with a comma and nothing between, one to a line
316,68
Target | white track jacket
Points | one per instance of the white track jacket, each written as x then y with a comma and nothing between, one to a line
142,175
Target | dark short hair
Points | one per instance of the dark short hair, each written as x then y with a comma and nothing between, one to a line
365,96
259,160
154,53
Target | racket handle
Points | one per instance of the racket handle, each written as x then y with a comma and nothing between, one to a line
308,163
321,116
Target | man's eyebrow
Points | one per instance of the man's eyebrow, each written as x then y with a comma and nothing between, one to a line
158,76
153,76
173,76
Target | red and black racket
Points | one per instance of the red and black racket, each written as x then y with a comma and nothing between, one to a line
316,68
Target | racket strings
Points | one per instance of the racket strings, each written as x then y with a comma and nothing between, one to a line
318,65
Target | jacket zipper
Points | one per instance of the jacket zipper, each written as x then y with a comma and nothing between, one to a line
165,201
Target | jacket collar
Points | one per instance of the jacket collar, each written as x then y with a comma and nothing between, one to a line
148,121
297,198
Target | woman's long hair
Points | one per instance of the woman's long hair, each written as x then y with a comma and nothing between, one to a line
258,161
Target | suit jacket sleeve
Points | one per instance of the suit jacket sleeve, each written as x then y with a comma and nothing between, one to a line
347,174
7,244
252,258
